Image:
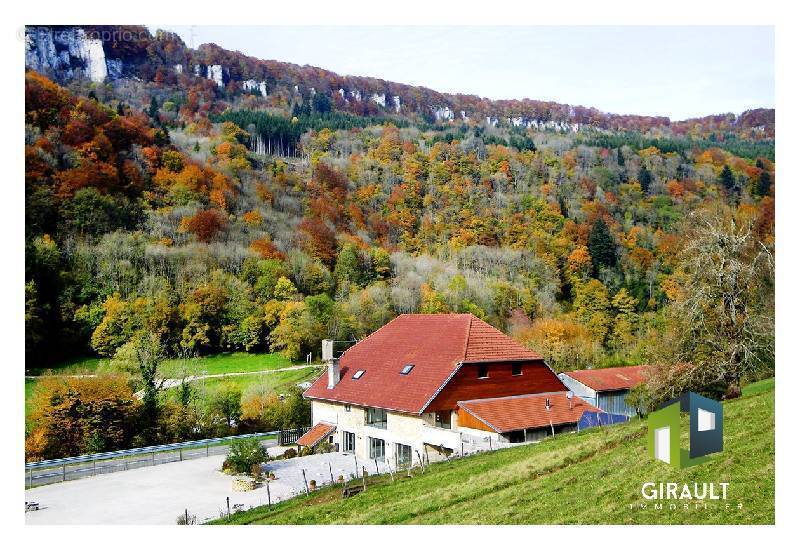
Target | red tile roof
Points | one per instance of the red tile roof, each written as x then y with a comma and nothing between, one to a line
434,344
615,378
486,343
316,434
506,414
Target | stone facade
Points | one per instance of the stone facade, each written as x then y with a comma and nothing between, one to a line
416,431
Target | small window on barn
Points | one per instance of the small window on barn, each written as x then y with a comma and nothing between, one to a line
407,369
443,419
483,371
358,374
516,370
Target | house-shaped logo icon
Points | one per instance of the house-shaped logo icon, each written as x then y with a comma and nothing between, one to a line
705,430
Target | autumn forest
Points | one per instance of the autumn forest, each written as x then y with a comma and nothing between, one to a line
170,216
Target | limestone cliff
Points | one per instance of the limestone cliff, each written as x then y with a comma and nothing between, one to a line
68,52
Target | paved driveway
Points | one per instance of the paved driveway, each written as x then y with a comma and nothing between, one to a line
159,494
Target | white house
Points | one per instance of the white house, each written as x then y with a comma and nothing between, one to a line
421,385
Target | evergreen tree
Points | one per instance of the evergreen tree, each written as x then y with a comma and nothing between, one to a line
726,178
153,111
562,206
620,158
601,246
764,183
322,103
645,179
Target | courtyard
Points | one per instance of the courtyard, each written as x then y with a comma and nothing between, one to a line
159,494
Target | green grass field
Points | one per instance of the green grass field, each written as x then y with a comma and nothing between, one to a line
220,363
768,384
279,382
80,365
591,477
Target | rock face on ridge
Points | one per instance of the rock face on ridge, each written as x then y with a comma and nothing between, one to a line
68,51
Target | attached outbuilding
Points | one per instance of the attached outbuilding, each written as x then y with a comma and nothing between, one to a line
319,433
525,418
606,389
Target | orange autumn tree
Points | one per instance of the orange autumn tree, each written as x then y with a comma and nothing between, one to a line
205,225
74,416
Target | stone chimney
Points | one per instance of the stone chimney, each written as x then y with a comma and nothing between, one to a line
334,373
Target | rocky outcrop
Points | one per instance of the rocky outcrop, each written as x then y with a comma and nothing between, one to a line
217,73
252,86
68,52
442,113
380,99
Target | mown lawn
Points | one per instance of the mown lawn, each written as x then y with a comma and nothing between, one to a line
592,477
213,364
226,362
279,382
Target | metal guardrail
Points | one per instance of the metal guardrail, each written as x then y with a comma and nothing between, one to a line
55,470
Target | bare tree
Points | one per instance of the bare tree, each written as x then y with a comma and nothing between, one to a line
725,316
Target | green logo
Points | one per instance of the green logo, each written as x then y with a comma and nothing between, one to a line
705,430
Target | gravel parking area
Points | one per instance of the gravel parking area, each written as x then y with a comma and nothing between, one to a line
159,494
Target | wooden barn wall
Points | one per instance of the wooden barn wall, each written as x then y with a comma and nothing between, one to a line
466,420
465,385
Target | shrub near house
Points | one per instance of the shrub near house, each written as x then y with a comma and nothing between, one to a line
244,455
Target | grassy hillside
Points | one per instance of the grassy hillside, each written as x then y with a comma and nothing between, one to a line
592,477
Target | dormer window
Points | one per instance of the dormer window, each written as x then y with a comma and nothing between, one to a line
358,374
407,369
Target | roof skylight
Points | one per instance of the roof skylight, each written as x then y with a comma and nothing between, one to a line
358,374
407,369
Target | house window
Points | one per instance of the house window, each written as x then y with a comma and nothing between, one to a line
377,448
516,370
443,419
402,455
347,408
483,371
376,418
348,442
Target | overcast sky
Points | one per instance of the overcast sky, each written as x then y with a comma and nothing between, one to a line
679,72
